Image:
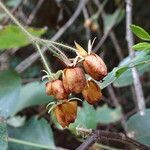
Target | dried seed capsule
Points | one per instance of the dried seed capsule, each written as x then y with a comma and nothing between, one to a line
56,89
87,23
74,79
95,66
92,92
66,113
94,27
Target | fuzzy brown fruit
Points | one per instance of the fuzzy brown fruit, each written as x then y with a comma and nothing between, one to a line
66,113
55,88
95,66
74,79
92,93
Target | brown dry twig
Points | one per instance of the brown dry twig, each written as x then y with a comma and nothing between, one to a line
136,79
101,136
111,34
35,10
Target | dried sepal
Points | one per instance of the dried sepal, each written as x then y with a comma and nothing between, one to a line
92,92
66,113
52,76
81,51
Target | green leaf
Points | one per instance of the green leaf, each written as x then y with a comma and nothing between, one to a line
112,76
113,19
126,78
121,76
3,134
88,117
139,126
107,115
12,37
32,94
140,32
34,131
142,46
14,98
10,84
140,60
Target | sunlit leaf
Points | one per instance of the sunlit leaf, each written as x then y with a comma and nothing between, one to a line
12,37
140,32
142,46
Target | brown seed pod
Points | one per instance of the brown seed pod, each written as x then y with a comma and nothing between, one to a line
94,27
74,79
66,113
92,93
95,66
87,23
56,89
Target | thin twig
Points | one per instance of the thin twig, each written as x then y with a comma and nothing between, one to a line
133,111
86,16
5,21
43,59
30,36
116,45
16,21
135,74
101,136
33,57
112,34
100,43
71,20
35,10
30,19
117,104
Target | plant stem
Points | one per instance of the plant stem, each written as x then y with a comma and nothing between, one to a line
136,79
43,59
26,32
95,17
16,21
59,44
34,39
12,140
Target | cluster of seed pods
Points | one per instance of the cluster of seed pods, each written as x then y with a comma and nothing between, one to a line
74,81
